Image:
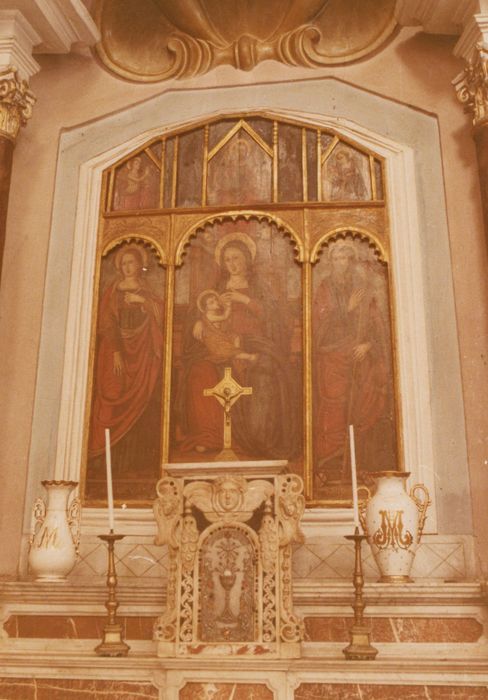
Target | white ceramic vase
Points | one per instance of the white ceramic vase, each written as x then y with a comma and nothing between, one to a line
393,521
54,543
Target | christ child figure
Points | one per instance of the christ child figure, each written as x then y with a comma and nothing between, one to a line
222,344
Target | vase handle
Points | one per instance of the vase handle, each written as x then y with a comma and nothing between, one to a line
74,518
422,502
362,504
39,511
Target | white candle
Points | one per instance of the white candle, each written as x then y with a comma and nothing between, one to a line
354,478
110,493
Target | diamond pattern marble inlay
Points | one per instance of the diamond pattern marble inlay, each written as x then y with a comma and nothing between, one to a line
132,560
334,559
327,558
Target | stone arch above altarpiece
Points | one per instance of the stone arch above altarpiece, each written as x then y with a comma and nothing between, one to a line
407,159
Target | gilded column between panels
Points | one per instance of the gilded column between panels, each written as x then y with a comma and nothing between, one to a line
307,368
170,287
16,102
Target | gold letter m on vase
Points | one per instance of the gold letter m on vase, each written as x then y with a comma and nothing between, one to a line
390,533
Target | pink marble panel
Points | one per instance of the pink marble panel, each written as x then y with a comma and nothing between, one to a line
327,691
61,689
225,691
393,692
93,690
17,689
401,629
327,629
460,693
74,627
336,629
429,629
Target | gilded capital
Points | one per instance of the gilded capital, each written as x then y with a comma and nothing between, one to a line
16,102
472,86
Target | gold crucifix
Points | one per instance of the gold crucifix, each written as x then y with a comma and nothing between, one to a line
227,391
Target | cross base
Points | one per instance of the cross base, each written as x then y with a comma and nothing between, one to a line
227,455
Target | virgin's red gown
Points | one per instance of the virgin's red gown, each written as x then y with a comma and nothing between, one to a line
265,424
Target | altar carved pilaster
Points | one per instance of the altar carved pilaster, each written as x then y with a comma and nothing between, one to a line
16,103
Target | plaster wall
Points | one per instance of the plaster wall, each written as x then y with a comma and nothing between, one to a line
72,90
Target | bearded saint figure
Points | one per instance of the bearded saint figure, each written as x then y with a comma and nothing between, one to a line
352,367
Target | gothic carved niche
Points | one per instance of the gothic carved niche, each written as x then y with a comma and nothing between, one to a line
153,40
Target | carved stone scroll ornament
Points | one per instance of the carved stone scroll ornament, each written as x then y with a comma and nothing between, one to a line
167,512
291,506
151,40
16,103
472,86
269,542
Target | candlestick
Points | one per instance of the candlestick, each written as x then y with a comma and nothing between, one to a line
360,648
112,643
110,493
354,479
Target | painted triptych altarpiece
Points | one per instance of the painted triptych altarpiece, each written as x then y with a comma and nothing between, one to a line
257,244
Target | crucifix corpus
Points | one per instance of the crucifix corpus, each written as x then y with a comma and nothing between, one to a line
227,392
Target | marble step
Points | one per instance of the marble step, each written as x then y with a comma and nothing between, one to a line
416,613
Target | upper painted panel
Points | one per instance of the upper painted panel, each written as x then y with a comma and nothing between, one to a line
248,160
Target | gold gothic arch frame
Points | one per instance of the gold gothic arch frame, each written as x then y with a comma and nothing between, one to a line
282,226
354,231
321,187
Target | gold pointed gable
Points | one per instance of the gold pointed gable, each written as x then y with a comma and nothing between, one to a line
154,40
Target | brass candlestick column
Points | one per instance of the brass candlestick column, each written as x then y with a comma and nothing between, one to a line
112,643
360,647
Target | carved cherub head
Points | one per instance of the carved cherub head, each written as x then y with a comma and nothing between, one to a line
229,493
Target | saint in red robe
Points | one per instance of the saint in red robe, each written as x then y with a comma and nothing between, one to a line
134,331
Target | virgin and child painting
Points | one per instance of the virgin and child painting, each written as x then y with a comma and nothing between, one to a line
238,305
352,366
127,391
